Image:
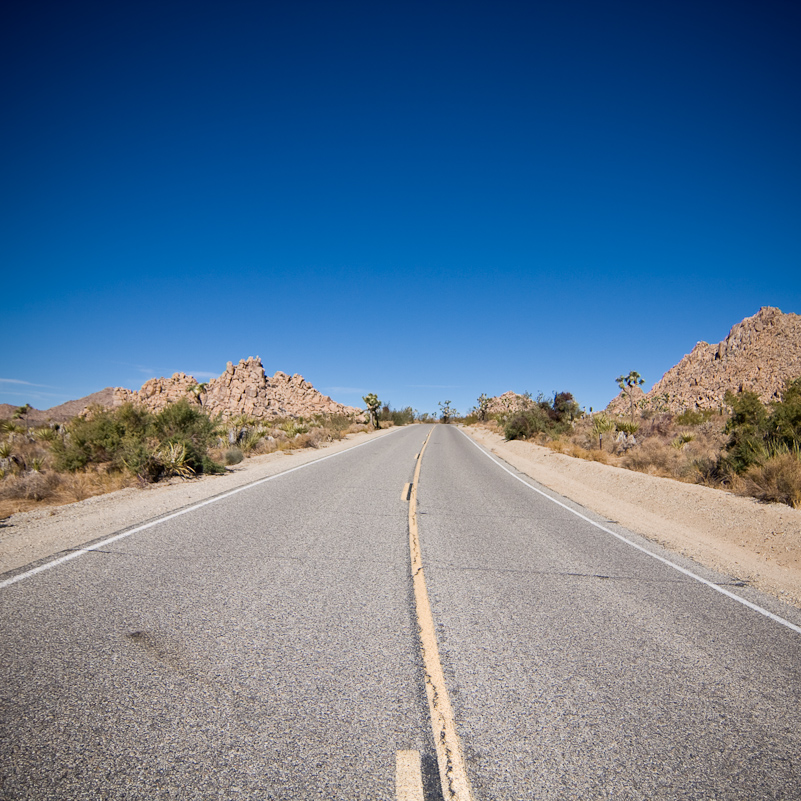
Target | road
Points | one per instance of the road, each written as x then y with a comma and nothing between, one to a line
265,646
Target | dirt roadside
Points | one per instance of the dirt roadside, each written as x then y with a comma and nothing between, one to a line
27,537
754,542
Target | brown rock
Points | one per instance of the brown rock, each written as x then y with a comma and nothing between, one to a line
243,389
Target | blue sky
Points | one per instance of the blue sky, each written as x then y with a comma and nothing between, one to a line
424,200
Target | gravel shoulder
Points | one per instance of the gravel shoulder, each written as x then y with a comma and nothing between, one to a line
34,535
754,542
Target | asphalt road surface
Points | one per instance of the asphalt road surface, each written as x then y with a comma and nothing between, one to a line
265,647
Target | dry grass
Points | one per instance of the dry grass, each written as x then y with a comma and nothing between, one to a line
778,480
19,493
577,452
655,444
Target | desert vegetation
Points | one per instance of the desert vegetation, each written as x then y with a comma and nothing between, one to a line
745,447
107,449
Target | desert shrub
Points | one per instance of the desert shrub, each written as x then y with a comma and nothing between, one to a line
551,416
292,427
399,417
746,428
776,480
32,486
658,425
758,433
233,456
103,435
173,442
601,424
183,424
657,459
526,424
784,423
693,417
139,458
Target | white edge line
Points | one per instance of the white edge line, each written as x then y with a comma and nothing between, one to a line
662,559
122,535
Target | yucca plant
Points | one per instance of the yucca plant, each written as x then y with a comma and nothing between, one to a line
45,434
628,426
682,439
601,424
173,457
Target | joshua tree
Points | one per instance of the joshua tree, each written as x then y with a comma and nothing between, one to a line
373,405
22,412
627,384
446,411
482,407
198,390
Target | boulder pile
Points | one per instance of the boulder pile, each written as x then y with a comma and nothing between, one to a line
243,389
760,354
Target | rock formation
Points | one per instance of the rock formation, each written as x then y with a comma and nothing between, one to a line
243,389
508,402
760,354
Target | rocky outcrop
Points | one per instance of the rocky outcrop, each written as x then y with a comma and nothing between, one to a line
760,354
243,389
508,402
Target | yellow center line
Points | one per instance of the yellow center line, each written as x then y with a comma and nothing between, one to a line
452,771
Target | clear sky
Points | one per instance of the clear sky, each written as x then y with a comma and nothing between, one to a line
426,200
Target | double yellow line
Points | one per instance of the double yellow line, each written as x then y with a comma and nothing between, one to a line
452,771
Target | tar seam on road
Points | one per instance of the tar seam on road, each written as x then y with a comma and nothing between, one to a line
452,770
114,537
662,559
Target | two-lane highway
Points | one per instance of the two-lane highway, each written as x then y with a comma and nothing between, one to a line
266,646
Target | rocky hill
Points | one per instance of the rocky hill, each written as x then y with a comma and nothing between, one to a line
760,354
243,389
61,413
508,402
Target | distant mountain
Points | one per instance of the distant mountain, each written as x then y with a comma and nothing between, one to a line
760,354
63,412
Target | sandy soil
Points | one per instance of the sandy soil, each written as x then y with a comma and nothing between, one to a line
754,542
27,537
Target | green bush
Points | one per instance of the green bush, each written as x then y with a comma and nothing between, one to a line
399,417
784,424
133,439
233,456
691,417
552,416
183,424
758,433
